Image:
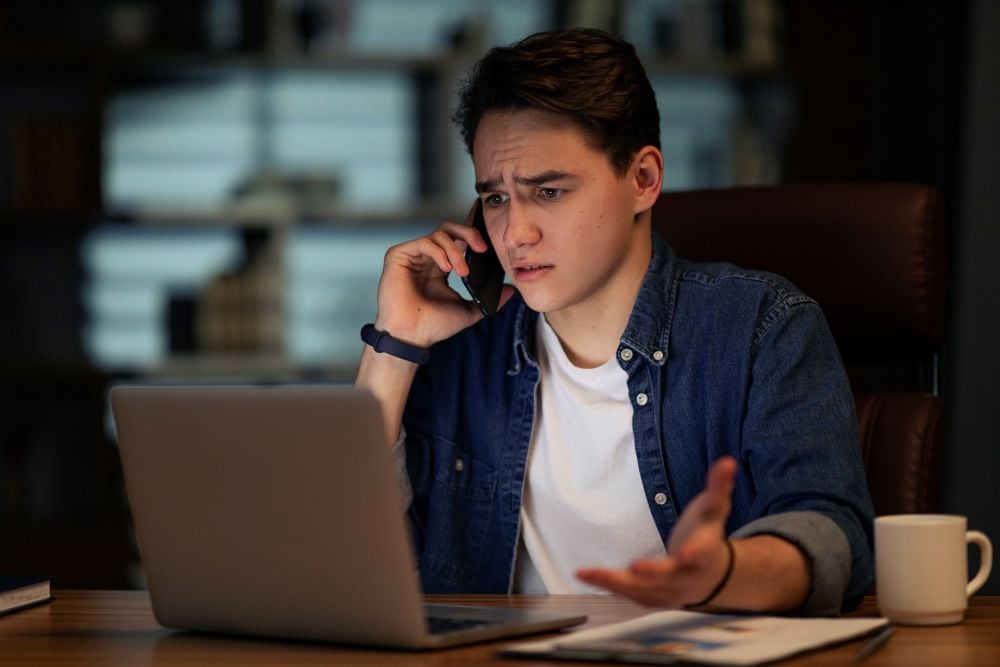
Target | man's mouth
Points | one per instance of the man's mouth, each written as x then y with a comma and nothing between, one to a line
528,272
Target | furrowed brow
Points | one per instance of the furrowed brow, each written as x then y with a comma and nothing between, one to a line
539,179
488,185
542,178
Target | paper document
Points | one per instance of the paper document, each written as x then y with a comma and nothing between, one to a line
711,639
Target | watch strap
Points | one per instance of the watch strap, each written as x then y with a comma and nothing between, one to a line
381,341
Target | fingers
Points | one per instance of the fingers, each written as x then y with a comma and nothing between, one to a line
656,582
701,527
654,567
437,246
415,301
624,583
698,553
455,257
719,489
445,247
416,254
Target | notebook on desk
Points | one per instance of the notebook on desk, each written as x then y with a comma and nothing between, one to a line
275,511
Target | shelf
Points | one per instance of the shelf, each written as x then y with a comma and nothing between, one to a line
166,62
146,61
233,216
139,61
713,66
73,221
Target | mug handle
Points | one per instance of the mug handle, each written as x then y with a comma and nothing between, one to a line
985,559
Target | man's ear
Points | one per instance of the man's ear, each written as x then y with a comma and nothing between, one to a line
647,170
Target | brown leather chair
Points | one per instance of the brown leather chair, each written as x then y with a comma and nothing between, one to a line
873,256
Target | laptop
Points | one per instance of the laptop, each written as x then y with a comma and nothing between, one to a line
275,511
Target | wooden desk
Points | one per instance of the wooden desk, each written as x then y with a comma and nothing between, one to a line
117,628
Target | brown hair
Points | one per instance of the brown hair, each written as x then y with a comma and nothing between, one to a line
587,75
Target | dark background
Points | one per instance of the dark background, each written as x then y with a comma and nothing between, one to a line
882,91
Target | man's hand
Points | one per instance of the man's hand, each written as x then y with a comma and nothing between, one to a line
768,573
417,306
698,557
415,302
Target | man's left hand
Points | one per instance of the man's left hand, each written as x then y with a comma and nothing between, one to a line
698,557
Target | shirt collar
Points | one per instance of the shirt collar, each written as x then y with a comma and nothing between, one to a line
648,328
524,336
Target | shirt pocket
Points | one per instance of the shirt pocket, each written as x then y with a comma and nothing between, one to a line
459,510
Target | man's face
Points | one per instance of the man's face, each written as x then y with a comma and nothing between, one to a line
563,224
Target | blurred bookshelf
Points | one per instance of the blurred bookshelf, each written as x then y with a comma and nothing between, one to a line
203,192
332,129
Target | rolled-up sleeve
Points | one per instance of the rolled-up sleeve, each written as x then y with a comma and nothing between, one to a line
824,546
801,441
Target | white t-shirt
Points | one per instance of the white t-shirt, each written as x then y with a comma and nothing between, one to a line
584,503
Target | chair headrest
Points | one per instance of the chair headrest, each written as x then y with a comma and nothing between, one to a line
872,254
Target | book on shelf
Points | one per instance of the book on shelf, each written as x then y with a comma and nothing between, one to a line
18,593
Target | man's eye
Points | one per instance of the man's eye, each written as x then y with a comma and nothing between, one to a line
549,193
495,200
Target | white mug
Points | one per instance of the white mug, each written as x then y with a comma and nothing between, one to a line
921,567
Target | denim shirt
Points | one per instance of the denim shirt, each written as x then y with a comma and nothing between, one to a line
720,361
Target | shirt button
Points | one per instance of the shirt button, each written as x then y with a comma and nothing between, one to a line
625,354
459,465
660,498
642,399
658,355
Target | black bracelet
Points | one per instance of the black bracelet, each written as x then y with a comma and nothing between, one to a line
381,341
721,584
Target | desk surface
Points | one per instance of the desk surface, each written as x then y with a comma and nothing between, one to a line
117,628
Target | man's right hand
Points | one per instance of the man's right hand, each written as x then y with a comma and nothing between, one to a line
415,302
417,306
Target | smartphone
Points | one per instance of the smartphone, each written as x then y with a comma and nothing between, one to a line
485,279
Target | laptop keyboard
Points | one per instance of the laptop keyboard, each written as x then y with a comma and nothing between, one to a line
440,624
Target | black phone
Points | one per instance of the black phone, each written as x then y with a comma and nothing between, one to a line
485,279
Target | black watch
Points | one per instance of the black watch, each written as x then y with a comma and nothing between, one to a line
381,341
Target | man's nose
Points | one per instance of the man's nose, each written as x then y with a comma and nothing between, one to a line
521,229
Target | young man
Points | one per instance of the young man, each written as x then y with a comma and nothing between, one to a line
563,444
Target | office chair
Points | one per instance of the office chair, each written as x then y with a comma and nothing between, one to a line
873,256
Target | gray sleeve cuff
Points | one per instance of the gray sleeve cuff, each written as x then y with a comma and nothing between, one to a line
824,545
398,452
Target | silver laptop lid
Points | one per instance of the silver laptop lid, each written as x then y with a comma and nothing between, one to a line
269,511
